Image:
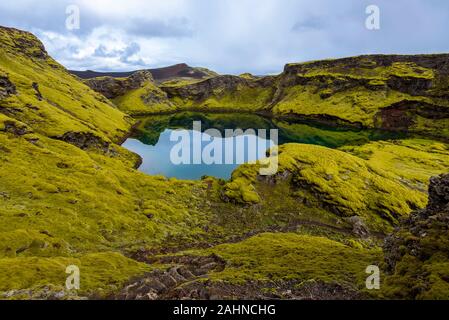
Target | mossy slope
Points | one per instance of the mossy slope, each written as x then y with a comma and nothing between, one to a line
67,191
272,257
47,98
343,184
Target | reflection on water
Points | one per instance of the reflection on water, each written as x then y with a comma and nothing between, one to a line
152,141
163,158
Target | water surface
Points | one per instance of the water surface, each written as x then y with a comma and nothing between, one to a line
152,141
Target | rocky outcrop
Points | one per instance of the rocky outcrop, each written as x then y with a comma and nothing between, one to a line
403,115
432,61
154,96
420,244
219,87
85,140
161,284
187,278
7,88
113,87
216,87
432,221
16,128
411,74
439,194
23,42
389,91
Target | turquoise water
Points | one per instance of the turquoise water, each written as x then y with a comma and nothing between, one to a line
157,159
167,147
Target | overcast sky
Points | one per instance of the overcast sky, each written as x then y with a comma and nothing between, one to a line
228,36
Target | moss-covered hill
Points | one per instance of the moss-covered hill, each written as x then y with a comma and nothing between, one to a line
69,194
68,191
384,91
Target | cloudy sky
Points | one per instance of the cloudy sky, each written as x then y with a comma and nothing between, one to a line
228,36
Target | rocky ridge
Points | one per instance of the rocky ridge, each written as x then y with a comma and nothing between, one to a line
112,87
418,249
392,92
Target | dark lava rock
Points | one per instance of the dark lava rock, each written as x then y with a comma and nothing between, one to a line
163,284
216,86
439,193
16,128
85,140
114,87
7,88
419,242
35,86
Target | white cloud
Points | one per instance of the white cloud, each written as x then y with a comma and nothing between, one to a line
229,36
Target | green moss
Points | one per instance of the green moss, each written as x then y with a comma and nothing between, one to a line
243,98
60,204
344,184
88,199
134,101
179,82
100,273
365,68
357,105
289,256
66,104
415,279
412,161
240,191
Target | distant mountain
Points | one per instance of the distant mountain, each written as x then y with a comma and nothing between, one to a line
159,74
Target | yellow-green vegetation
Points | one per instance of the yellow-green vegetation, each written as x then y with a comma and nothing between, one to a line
59,202
242,98
146,99
69,193
438,128
48,99
100,274
365,67
358,105
247,75
289,256
412,161
90,200
344,184
422,280
179,82
358,89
